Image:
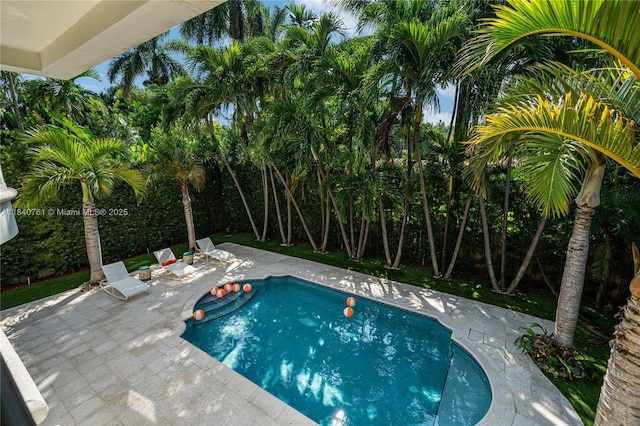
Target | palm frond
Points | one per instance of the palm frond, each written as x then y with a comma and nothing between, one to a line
584,119
611,25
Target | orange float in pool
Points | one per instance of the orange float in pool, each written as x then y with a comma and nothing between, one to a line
351,301
246,288
228,287
198,315
348,312
236,287
220,292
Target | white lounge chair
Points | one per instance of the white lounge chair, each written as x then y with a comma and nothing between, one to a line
169,263
119,284
208,249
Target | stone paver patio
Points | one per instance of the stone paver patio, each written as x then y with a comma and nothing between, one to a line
101,361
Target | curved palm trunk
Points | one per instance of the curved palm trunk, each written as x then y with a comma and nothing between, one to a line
326,208
92,241
577,255
487,245
505,222
454,256
265,193
383,230
527,258
295,205
188,216
235,180
427,214
362,238
343,231
277,203
289,217
620,394
445,233
405,214
324,231
352,231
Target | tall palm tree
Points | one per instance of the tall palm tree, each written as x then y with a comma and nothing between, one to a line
172,157
151,57
414,36
208,27
300,16
69,154
219,84
563,122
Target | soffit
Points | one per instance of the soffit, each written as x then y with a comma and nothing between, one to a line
62,39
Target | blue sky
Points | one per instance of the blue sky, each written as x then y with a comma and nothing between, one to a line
445,95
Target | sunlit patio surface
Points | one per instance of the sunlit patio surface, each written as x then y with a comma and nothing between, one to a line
98,360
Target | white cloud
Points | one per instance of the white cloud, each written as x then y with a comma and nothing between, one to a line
319,6
429,116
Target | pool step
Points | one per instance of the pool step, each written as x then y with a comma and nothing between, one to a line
210,303
224,307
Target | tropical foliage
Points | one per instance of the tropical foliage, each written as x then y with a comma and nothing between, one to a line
291,128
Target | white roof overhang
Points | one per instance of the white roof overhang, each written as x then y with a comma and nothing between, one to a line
62,39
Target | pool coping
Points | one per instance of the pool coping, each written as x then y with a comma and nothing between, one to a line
142,349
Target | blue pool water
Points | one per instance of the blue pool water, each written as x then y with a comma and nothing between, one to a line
382,366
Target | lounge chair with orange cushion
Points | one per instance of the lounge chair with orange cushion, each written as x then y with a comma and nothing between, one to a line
167,260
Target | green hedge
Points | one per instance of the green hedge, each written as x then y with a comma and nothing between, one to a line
54,244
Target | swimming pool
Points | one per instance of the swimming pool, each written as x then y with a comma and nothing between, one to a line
383,365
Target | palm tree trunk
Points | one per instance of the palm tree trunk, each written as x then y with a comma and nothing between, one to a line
278,214
527,258
620,395
327,225
324,227
405,213
343,231
92,241
445,233
365,238
505,221
487,244
289,217
235,180
352,231
463,224
188,216
577,255
364,228
427,214
265,193
14,100
383,230
295,205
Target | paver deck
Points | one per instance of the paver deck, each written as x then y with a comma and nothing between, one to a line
102,361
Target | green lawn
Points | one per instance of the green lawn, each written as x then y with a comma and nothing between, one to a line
582,393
